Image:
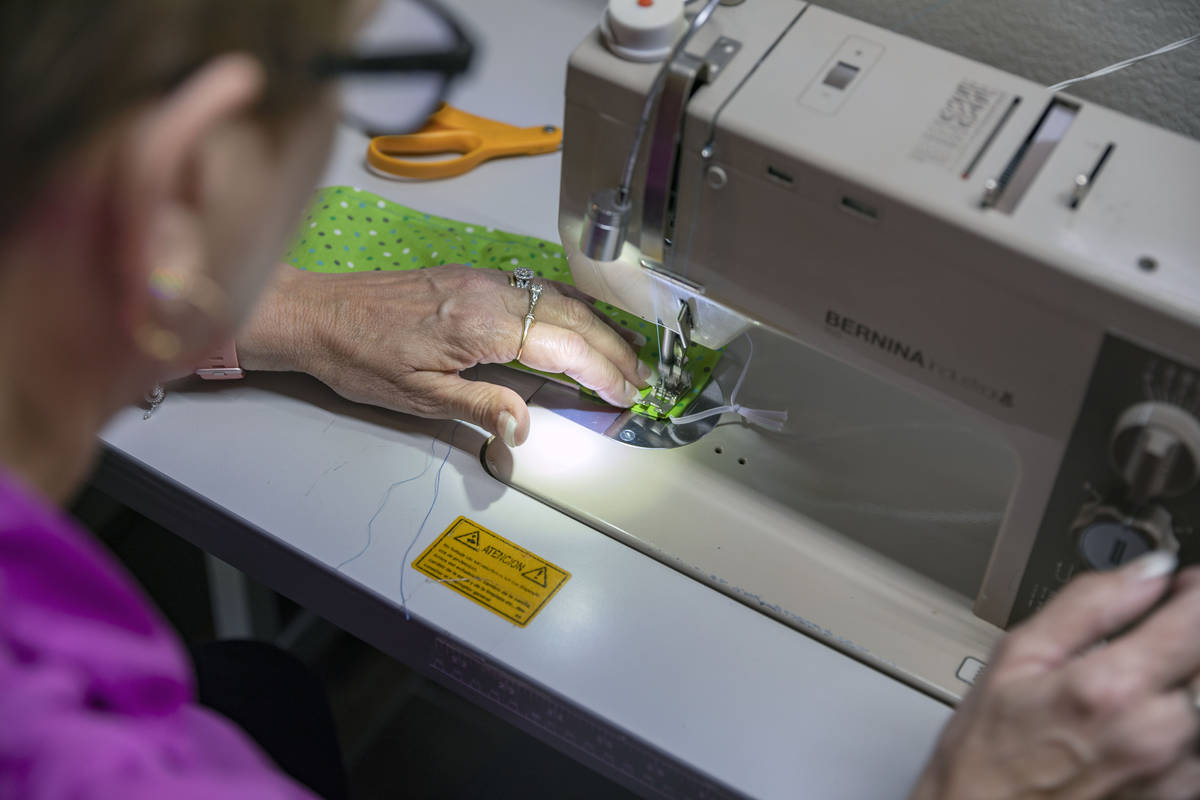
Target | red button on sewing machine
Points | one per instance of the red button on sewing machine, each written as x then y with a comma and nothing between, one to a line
645,3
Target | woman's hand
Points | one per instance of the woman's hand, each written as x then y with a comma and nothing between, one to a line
399,340
1059,713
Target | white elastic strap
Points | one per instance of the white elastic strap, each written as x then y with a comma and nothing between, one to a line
1111,68
772,420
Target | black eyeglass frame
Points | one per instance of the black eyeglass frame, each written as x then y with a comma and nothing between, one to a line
449,63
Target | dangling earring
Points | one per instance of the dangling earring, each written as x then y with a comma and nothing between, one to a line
158,342
191,287
175,287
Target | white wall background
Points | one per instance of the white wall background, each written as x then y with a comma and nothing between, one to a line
1051,40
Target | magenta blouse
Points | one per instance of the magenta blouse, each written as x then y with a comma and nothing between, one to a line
96,695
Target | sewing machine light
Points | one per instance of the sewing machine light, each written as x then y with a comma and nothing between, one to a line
606,225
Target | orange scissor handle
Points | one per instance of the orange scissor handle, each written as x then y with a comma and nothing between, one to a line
450,130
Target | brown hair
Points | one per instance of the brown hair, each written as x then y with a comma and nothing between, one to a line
72,65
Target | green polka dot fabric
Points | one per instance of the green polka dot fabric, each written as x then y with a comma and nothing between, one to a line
349,230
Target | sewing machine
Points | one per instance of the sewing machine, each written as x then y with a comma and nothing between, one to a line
977,299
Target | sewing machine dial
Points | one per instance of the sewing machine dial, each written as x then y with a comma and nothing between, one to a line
1109,537
1155,448
1129,479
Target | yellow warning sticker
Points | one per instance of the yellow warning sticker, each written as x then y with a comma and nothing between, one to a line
491,570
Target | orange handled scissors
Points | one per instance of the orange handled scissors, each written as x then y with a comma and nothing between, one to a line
450,130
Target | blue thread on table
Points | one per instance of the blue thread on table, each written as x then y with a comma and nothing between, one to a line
387,495
437,482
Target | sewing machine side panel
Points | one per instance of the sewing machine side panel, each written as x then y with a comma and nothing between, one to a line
841,223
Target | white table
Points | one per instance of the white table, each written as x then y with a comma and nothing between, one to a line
657,680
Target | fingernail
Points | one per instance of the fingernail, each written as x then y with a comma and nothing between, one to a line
647,373
508,428
1154,565
631,394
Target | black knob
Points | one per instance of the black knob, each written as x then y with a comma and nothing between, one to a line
1108,537
1110,543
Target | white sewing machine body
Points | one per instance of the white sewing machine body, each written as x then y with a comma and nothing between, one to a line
960,353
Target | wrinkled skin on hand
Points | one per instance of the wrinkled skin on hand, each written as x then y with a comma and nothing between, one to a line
1059,713
400,339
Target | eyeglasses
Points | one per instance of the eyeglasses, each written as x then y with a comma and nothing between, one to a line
400,65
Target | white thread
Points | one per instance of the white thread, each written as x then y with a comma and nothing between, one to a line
1111,68
772,420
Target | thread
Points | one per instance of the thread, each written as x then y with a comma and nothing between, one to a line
772,420
437,483
387,495
1111,68
660,80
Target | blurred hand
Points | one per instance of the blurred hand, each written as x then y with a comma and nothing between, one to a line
399,340
1061,714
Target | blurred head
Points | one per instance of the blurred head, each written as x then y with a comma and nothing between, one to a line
154,155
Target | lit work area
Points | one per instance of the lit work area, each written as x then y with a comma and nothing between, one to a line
659,398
